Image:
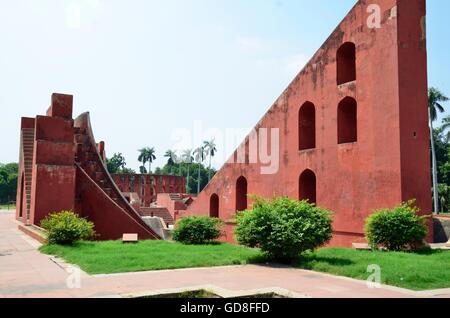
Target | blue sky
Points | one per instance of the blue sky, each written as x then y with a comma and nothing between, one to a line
144,68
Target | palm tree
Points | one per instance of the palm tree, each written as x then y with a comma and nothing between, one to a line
188,159
200,155
210,148
142,170
147,155
172,157
435,97
446,127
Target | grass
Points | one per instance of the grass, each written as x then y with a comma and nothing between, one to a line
116,257
425,270
7,207
429,269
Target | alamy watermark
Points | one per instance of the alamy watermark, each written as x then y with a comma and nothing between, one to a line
374,18
261,146
374,279
73,280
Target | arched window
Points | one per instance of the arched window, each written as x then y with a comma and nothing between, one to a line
214,206
346,63
347,121
307,126
241,194
307,186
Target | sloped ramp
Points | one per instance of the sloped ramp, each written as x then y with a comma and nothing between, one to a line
97,196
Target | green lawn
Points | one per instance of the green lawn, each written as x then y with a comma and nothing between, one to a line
116,257
416,271
6,207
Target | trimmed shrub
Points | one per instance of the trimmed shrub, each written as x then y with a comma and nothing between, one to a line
396,229
66,228
197,230
284,228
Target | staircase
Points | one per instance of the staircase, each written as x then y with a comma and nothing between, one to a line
88,159
28,150
176,197
159,212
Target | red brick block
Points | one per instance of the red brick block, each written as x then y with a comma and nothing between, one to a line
61,106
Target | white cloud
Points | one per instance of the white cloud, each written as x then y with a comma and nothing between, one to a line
73,16
81,11
251,43
290,65
97,4
295,63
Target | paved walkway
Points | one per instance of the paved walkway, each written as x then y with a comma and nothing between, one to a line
24,272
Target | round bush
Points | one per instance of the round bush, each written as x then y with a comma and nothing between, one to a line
67,227
396,229
197,230
284,228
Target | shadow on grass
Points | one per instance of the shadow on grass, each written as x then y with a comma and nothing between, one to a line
258,259
307,261
428,251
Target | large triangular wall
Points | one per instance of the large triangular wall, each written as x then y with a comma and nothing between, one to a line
378,163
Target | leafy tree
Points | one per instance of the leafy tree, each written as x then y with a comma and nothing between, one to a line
446,128
10,168
187,158
181,169
200,155
3,176
396,229
8,182
444,197
117,165
147,154
172,157
210,149
197,230
284,228
435,97
67,227
142,170
127,171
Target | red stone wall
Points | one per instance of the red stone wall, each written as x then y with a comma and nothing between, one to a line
53,182
110,220
388,164
62,168
149,186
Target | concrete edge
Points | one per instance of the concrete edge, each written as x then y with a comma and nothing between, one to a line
362,282
167,270
221,292
408,292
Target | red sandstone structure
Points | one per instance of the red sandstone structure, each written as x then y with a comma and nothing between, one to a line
353,137
353,126
61,167
147,187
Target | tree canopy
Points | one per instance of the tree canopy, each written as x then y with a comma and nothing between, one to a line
117,165
181,169
8,182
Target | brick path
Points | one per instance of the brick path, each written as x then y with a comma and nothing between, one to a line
24,272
